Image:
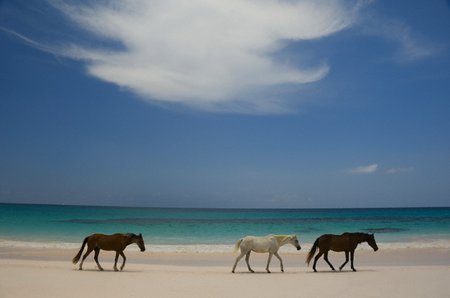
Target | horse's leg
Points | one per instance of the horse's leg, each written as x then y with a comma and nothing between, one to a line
115,261
281,261
325,256
237,260
268,262
315,260
124,259
346,261
352,256
97,251
89,250
247,258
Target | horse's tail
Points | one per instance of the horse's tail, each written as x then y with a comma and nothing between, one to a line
312,251
77,257
237,245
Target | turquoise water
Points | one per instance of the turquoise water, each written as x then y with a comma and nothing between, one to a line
160,226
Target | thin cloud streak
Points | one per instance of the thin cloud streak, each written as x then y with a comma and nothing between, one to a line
32,43
410,45
400,170
363,169
214,56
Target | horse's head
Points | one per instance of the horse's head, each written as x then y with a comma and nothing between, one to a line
139,240
294,242
371,242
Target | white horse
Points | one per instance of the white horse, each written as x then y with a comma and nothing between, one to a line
269,243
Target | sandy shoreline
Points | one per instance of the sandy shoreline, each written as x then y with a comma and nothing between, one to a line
389,273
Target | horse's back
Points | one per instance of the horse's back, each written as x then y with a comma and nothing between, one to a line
106,242
99,236
341,242
249,240
260,239
258,244
95,237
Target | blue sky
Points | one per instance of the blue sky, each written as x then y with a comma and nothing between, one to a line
259,104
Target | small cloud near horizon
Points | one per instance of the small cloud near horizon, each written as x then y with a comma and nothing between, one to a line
363,169
399,170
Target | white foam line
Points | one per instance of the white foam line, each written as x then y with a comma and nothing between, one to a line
218,248
36,244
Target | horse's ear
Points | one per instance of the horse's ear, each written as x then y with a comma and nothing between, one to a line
140,235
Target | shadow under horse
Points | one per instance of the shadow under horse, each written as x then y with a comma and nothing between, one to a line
115,242
346,242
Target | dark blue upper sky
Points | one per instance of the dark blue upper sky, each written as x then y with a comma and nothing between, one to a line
116,105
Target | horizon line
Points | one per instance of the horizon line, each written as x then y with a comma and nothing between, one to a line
222,208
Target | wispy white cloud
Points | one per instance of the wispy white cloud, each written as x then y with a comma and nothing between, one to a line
363,169
399,170
216,55
31,42
409,44
212,55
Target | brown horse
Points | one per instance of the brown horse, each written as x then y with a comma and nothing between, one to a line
346,242
116,242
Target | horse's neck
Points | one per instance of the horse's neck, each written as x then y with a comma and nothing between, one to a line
361,238
282,239
128,240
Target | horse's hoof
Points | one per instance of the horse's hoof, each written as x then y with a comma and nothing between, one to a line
80,269
232,271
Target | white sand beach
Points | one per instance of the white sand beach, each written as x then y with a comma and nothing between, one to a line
27,272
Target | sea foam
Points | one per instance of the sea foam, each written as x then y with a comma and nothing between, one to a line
218,248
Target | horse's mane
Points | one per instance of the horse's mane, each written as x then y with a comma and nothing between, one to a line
357,234
282,238
360,236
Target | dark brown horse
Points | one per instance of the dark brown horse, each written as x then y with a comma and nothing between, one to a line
346,242
116,242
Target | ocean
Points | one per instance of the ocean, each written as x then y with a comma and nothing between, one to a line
216,230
